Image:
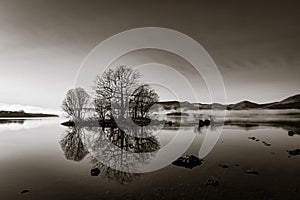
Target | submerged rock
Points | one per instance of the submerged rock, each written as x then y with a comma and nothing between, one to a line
251,138
267,144
252,172
188,161
24,191
212,182
294,152
224,166
95,172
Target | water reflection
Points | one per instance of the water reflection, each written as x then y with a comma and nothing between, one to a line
18,124
119,153
26,162
254,124
72,144
110,149
12,121
111,174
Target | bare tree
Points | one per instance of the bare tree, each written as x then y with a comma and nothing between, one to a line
113,90
75,103
143,98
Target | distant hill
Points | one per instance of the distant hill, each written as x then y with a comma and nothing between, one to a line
292,102
6,114
288,103
243,105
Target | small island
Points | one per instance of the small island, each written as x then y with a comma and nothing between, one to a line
21,113
178,114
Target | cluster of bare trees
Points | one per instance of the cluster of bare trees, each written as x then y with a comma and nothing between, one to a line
76,103
143,98
118,95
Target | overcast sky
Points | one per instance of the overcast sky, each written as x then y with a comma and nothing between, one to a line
255,44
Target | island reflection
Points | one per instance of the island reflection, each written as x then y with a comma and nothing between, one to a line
109,149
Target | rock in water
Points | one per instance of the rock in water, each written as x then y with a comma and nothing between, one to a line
24,191
201,123
169,123
267,144
292,133
252,172
212,182
188,161
224,166
206,122
294,152
95,172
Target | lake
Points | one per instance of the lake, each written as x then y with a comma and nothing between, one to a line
54,162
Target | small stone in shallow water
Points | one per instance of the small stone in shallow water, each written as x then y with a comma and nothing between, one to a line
212,182
170,123
24,191
252,172
294,152
201,123
206,122
224,166
95,172
188,161
292,133
267,144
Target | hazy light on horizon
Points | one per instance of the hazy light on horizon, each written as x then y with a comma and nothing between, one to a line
42,43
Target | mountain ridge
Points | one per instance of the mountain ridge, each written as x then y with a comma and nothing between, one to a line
292,102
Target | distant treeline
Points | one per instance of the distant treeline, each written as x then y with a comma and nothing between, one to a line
24,114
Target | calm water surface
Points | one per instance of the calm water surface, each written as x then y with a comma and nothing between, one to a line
53,163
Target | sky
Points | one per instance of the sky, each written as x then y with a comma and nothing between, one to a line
255,44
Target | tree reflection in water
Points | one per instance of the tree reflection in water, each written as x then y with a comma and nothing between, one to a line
72,144
117,153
